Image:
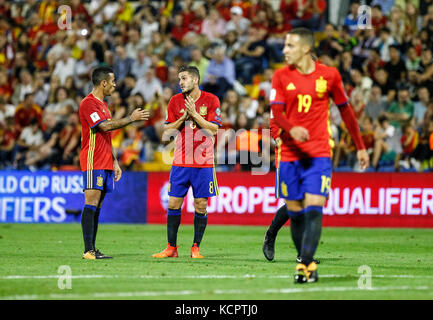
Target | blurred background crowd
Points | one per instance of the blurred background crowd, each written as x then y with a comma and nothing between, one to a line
47,55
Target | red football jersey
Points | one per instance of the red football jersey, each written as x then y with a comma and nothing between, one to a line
306,104
96,153
193,149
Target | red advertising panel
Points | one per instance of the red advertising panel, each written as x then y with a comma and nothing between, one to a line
355,200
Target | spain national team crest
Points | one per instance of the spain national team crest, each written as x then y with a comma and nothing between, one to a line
203,110
321,87
99,181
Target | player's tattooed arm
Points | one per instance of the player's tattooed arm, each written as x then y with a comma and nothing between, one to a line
137,115
210,127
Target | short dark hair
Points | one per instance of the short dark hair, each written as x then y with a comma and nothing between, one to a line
306,35
101,73
382,118
191,70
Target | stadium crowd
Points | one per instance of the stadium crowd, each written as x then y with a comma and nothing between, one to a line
46,59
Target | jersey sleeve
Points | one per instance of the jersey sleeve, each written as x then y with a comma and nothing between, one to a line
337,90
215,112
170,112
92,113
277,95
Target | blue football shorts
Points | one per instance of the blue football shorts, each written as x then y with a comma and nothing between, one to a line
295,178
203,181
99,179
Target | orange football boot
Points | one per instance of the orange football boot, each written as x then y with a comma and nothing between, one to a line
169,252
195,252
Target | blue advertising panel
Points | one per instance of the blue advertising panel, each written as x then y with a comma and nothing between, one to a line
57,197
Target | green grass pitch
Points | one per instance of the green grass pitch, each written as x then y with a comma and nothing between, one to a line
234,266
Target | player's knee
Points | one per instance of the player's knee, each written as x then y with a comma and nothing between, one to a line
200,205
174,204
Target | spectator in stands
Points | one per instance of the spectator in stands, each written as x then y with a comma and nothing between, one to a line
383,43
122,65
361,86
265,85
238,23
387,144
6,90
329,44
345,66
386,85
276,37
397,24
134,44
425,70
26,112
6,110
412,60
47,152
84,67
420,107
29,142
373,63
65,66
367,134
230,106
7,142
200,62
409,142
62,106
303,13
366,40
69,141
400,111
351,19
141,64
24,87
395,67
232,45
171,51
214,26
220,75
103,11
179,29
131,147
386,5
378,20
148,86
149,24
346,40
376,104
252,57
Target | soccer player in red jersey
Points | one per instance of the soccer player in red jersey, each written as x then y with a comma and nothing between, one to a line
300,97
193,116
98,163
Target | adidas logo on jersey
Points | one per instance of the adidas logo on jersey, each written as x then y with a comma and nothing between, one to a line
291,86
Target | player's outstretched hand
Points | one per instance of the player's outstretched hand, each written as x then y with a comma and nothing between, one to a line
300,134
140,115
363,159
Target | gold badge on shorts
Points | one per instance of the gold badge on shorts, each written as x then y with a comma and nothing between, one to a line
99,181
284,189
321,87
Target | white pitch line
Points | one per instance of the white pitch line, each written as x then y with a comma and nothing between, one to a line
212,276
132,294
